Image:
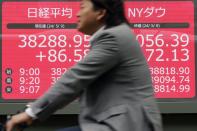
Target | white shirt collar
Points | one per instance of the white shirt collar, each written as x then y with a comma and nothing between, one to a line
97,32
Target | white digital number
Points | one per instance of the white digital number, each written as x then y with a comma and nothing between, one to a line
42,41
57,55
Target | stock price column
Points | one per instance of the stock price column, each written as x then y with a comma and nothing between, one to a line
165,31
40,42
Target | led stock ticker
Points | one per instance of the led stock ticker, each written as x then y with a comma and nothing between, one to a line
166,35
40,43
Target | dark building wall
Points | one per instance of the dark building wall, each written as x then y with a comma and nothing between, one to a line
172,122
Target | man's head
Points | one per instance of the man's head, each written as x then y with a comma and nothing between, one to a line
95,13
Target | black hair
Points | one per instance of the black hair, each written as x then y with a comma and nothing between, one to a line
114,11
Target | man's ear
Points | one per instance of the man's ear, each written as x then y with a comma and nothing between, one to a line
101,14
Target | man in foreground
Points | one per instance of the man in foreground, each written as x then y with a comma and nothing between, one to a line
113,80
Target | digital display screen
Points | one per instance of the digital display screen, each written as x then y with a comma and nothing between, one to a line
166,35
40,42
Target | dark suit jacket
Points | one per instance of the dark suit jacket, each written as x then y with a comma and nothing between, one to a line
114,85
